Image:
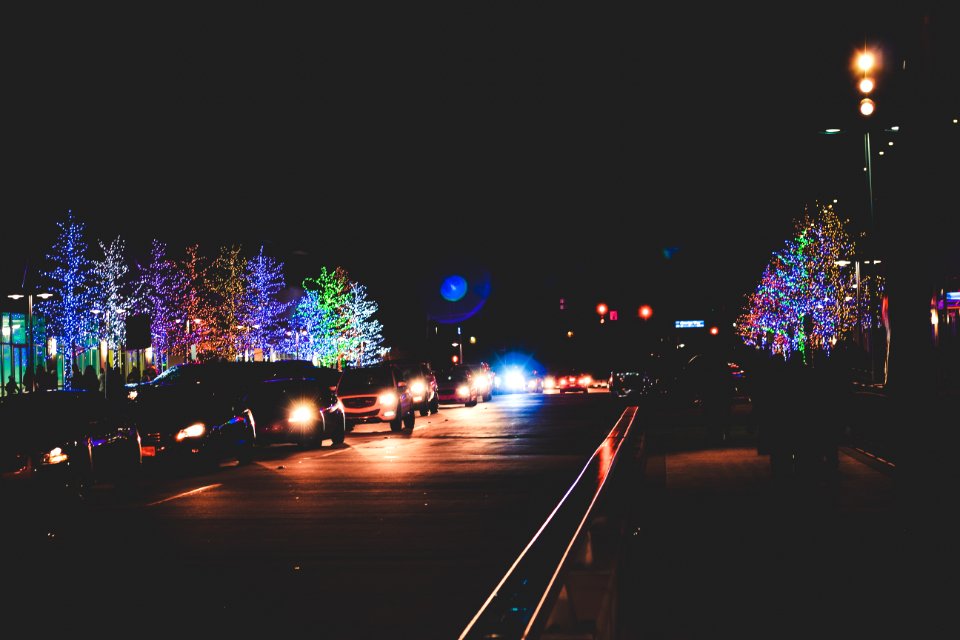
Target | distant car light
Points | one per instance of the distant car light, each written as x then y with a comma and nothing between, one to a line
55,456
514,379
549,382
132,394
193,431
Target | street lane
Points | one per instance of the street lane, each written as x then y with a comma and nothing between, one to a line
390,534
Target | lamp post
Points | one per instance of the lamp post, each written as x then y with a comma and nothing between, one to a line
43,295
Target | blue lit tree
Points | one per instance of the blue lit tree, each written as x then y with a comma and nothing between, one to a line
158,292
110,298
264,313
67,313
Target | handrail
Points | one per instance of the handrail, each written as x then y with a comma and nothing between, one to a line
516,606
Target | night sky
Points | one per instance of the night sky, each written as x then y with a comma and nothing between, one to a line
651,155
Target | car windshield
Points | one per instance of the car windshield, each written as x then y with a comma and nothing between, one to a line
355,381
455,375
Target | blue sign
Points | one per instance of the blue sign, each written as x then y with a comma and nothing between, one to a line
688,324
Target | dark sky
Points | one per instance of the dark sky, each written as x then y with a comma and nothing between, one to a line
560,151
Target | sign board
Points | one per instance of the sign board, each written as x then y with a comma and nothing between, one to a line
953,299
688,324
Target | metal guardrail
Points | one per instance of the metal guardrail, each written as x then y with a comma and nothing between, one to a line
528,594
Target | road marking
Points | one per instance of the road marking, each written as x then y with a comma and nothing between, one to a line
185,494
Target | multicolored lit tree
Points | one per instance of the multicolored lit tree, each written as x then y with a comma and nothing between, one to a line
67,313
225,282
109,298
158,291
192,337
806,298
264,313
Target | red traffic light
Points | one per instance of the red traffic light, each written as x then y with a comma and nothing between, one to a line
714,331
645,311
602,309
455,359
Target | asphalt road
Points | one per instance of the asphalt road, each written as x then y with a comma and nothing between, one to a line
399,535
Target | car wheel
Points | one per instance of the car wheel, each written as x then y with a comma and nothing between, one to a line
410,419
471,403
339,432
396,425
424,409
435,405
245,454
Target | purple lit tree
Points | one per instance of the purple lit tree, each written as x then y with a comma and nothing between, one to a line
158,292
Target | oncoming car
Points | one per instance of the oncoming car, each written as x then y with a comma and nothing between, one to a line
457,386
377,394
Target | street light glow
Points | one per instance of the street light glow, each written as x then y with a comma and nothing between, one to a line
865,61
866,85
867,106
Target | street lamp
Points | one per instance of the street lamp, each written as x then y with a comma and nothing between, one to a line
43,295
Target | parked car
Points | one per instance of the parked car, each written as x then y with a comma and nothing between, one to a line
457,385
377,394
422,382
195,414
59,443
707,389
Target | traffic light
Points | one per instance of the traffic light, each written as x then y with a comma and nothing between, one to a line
714,331
645,311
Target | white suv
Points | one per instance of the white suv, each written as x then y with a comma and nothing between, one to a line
376,394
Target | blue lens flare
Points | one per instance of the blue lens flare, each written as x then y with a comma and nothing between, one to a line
453,288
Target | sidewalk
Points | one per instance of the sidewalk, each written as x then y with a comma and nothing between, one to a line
718,550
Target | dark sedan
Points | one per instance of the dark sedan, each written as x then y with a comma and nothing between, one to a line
457,385
300,411
61,442
194,414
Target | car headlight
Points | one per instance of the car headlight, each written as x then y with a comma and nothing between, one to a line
418,387
132,394
388,399
193,431
55,456
302,414
463,390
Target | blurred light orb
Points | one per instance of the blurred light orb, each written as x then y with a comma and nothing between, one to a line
453,288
